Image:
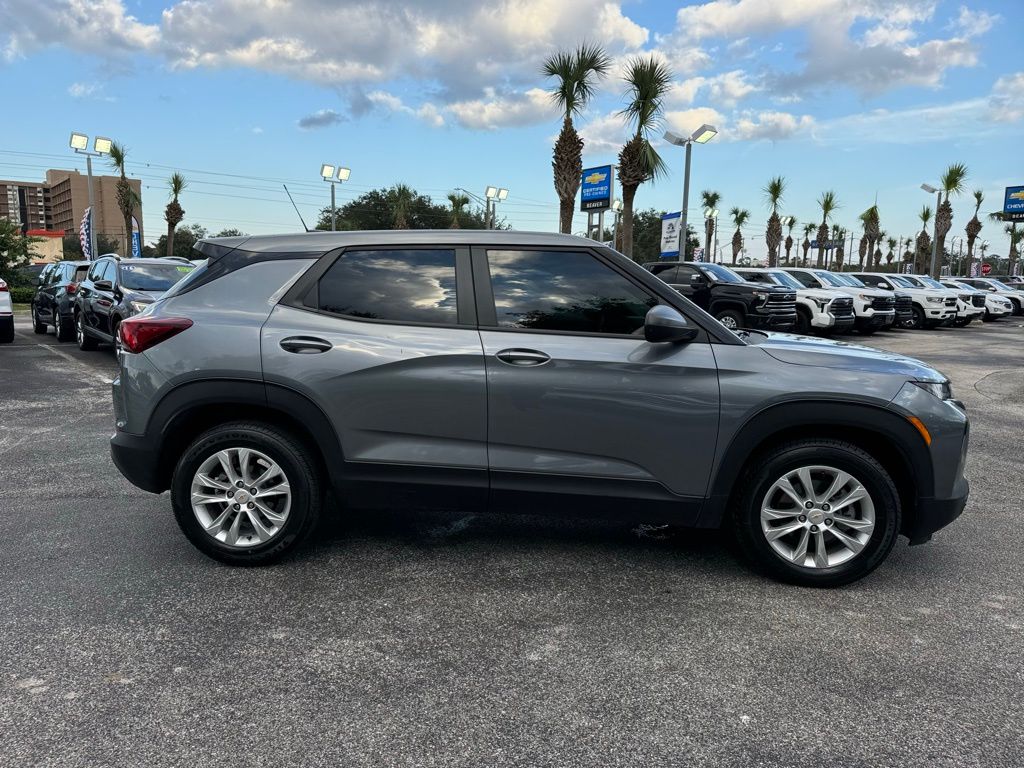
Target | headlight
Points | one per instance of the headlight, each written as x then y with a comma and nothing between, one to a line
866,297
935,299
139,306
941,389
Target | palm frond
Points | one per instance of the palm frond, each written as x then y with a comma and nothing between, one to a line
647,82
710,199
773,192
576,74
925,215
118,156
952,181
829,203
176,184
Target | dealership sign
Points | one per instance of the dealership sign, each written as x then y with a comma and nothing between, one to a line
136,239
1013,204
596,188
670,235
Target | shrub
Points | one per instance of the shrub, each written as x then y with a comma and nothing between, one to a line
22,295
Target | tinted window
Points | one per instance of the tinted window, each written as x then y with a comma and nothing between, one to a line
805,279
95,270
685,273
564,291
80,273
44,276
151,277
719,274
400,285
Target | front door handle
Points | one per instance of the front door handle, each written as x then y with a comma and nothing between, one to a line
305,345
522,357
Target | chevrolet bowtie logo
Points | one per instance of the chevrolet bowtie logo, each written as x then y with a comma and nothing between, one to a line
595,177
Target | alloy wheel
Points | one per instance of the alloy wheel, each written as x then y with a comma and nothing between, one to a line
241,497
729,322
817,517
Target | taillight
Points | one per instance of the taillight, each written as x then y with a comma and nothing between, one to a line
138,334
3,287
72,287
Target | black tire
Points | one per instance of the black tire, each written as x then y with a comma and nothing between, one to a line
769,467
730,318
6,330
117,339
962,322
1017,308
86,343
803,321
37,325
65,330
294,458
918,321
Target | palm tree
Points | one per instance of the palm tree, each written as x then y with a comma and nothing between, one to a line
924,241
709,200
891,242
400,197
174,213
458,201
1011,230
647,83
127,199
739,218
773,192
952,183
576,74
878,249
806,245
871,230
839,237
973,228
790,223
828,202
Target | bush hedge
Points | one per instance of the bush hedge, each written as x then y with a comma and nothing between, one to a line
21,295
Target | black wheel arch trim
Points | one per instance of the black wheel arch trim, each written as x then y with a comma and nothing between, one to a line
790,416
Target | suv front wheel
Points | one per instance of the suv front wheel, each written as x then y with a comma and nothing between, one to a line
818,513
246,493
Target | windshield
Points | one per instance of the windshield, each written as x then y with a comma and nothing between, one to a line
932,283
786,279
720,274
915,282
901,281
851,280
152,277
829,279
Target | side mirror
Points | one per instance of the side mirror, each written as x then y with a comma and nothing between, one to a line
697,281
665,324
103,285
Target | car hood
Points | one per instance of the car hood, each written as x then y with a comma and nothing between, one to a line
854,290
829,353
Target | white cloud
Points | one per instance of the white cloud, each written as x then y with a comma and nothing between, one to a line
686,121
1006,102
973,23
102,27
725,89
603,135
771,126
391,103
500,111
81,90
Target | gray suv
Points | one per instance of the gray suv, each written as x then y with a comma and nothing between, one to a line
514,371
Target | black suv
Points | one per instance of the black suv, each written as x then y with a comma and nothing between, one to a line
117,288
733,301
54,300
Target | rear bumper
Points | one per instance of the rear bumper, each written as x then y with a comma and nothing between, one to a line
137,458
935,514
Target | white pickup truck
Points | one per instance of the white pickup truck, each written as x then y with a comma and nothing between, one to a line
824,310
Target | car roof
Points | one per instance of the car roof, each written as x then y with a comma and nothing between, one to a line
320,241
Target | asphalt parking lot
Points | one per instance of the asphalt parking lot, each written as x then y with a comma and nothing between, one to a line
499,641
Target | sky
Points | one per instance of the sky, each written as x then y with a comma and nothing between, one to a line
869,98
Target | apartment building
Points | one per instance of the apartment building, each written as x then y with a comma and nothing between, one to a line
25,203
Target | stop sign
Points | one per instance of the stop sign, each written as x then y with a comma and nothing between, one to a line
986,268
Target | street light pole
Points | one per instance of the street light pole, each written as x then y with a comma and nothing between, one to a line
328,174
702,135
935,239
493,195
101,146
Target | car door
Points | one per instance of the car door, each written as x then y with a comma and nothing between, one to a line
87,293
44,294
580,407
385,343
103,297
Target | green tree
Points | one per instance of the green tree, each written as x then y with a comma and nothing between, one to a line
185,239
773,192
73,246
951,182
790,223
374,210
230,232
709,201
15,250
828,202
739,217
127,199
647,82
576,74
973,228
806,244
922,253
458,201
174,213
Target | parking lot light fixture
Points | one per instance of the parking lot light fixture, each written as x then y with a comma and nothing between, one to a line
334,175
702,135
80,143
934,271
502,194
493,195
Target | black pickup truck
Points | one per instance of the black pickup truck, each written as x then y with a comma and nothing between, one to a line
733,301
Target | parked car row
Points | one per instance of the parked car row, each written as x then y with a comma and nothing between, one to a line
86,301
808,300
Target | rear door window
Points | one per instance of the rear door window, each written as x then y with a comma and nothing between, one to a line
399,285
570,291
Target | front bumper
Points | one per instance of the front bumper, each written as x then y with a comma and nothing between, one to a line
932,515
877,319
771,321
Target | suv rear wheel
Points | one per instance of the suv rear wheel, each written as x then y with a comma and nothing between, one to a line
64,330
38,326
246,493
86,343
818,513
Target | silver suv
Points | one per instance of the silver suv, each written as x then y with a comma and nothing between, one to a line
515,371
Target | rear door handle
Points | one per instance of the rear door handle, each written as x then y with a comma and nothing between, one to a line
522,357
305,345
